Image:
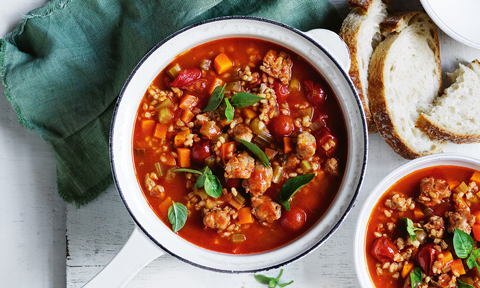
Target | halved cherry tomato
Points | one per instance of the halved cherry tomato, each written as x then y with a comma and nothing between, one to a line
200,151
294,219
426,256
281,126
281,91
315,92
384,249
326,142
186,77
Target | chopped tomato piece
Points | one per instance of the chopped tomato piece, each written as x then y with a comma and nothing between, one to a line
200,151
281,91
294,219
476,231
281,126
426,256
186,78
383,249
326,141
315,92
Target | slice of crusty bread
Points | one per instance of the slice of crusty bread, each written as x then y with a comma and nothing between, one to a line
455,116
405,77
361,32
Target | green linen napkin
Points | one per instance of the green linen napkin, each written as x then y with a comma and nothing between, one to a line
65,64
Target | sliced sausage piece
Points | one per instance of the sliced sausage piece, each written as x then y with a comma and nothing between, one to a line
397,202
265,209
216,218
435,227
243,132
240,166
460,219
306,145
277,65
433,191
331,166
260,180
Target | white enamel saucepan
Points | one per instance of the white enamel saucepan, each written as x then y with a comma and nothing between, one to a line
151,237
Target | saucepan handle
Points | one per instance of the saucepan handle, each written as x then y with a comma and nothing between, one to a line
333,44
136,254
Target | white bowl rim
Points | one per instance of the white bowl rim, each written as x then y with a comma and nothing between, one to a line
441,159
361,172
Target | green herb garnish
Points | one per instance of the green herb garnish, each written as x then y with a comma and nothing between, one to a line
416,277
472,259
215,99
257,151
270,281
463,285
292,186
410,228
462,243
207,180
177,215
228,110
244,99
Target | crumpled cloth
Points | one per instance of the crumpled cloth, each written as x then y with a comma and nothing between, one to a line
65,64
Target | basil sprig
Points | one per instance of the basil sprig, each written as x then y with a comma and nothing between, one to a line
410,228
292,186
463,285
463,245
416,277
215,99
270,281
207,180
228,110
257,151
177,215
244,99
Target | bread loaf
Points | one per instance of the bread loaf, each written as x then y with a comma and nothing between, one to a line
361,32
404,79
455,116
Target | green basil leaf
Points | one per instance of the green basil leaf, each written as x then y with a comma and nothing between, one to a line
228,110
213,186
262,278
410,228
273,283
416,277
187,170
177,215
285,284
201,180
462,243
257,151
472,259
463,285
292,186
215,99
244,99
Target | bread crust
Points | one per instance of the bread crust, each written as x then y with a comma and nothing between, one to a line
376,88
434,131
349,32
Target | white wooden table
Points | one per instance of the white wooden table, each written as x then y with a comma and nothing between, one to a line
96,232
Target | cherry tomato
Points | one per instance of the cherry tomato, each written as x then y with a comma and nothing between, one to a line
294,219
281,91
426,256
384,249
186,77
200,151
315,92
281,126
232,182
326,142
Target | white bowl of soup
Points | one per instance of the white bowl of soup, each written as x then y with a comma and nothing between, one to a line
419,225
212,124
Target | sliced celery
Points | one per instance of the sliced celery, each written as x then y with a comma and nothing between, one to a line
294,85
316,125
306,166
165,115
235,86
205,64
209,161
167,103
462,188
257,126
140,152
174,71
201,193
277,174
238,238
160,169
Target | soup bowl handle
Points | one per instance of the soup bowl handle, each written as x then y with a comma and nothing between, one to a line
135,254
334,45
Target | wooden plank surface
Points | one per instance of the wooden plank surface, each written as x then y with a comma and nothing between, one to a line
96,232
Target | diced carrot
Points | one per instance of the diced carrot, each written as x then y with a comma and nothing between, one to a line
418,213
476,231
287,145
179,140
452,183
169,160
188,102
444,258
457,267
477,216
216,82
407,268
187,116
163,207
476,177
245,216
249,113
222,63
161,131
270,153
226,150
147,126
183,157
